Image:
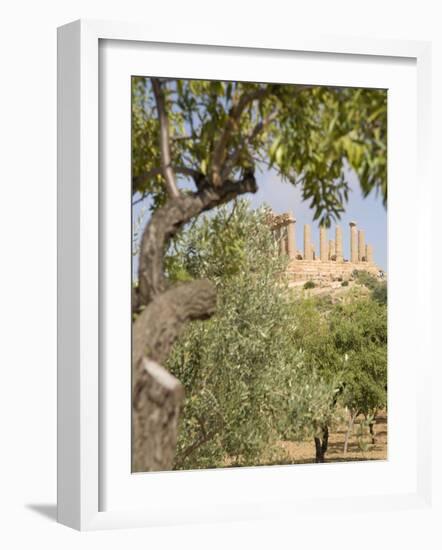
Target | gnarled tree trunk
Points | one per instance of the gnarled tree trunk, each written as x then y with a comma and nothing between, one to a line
321,446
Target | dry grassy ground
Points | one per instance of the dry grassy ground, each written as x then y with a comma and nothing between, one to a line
304,451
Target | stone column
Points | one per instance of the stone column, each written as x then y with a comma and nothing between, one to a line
277,233
362,256
308,255
331,249
338,245
353,243
323,248
369,253
283,240
291,237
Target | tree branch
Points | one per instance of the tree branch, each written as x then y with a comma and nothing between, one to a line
142,178
235,113
259,127
262,124
168,220
166,160
158,326
179,460
140,199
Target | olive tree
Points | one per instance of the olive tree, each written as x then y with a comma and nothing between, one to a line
346,342
313,336
232,365
359,332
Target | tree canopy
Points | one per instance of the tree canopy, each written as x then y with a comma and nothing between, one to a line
347,344
311,135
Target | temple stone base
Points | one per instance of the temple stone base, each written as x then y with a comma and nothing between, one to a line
319,271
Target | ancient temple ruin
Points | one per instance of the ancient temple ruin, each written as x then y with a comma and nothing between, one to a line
329,264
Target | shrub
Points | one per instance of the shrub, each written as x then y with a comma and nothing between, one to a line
379,294
378,288
365,278
309,284
344,283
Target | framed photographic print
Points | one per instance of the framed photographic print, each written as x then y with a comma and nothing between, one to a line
235,248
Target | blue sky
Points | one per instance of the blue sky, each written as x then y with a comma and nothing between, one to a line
369,213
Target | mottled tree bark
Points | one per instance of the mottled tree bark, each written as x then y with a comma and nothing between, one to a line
160,323
157,403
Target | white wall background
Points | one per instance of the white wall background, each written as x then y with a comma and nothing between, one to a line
28,264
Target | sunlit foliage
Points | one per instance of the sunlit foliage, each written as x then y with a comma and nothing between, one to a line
310,135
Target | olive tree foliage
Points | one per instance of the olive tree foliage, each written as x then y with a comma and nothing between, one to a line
309,134
246,380
347,344
379,291
313,336
359,332
197,145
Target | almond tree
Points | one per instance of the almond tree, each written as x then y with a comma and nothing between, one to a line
197,145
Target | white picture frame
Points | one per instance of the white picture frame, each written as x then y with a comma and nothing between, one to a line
81,444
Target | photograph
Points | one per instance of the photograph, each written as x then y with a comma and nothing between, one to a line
221,284
259,274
